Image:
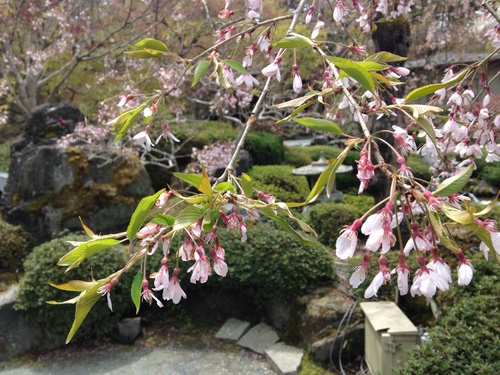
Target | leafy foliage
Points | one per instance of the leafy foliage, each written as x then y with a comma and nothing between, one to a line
15,245
265,148
471,317
272,264
41,268
278,180
329,218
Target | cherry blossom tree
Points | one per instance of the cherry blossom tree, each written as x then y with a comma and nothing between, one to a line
456,125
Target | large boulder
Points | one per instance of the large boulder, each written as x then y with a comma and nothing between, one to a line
50,187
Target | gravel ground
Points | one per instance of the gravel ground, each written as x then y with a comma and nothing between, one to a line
160,360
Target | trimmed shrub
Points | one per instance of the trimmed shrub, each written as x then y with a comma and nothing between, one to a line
204,133
466,340
265,148
327,219
15,245
420,168
272,264
297,157
362,202
278,180
42,269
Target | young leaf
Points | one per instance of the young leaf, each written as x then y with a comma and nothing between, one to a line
306,240
152,44
354,70
188,216
200,70
84,304
421,109
85,250
385,57
297,101
295,112
236,65
223,186
165,220
295,41
247,185
130,120
372,66
319,124
222,78
192,179
455,183
140,214
431,89
204,185
75,285
320,184
441,233
135,291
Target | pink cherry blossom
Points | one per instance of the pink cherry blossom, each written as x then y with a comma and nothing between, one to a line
161,278
220,267
346,243
319,25
147,295
201,268
186,251
465,270
365,170
403,272
247,79
383,276
174,290
426,281
359,274
339,11
142,139
309,14
105,290
273,69
439,266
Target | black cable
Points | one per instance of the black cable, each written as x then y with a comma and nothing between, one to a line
348,315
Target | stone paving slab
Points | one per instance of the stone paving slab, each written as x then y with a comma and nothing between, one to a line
232,329
285,359
259,338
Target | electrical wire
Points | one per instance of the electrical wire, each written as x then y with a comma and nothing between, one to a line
347,315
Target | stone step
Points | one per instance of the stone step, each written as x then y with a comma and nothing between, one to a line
262,339
285,359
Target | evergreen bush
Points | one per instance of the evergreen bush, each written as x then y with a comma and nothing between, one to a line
278,180
265,148
15,245
328,219
56,320
272,264
466,340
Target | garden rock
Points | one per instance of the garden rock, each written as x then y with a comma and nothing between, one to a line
50,187
259,338
128,330
232,329
285,359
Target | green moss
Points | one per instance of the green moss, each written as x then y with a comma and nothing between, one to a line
278,180
15,245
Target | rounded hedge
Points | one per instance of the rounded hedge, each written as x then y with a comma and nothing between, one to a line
278,180
56,320
327,219
15,245
273,264
265,148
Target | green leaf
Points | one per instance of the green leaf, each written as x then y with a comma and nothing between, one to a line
85,250
297,101
355,70
372,66
462,217
385,57
223,186
142,54
140,214
295,41
209,220
421,109
84,304
129,121
455,183
441,233
165,220
295,112
222,78
188,216
247,185
74,285
193,179
152,44
205,187
236,65
483,234
200,70
431,89
135,291
319,124
306,240
489,207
